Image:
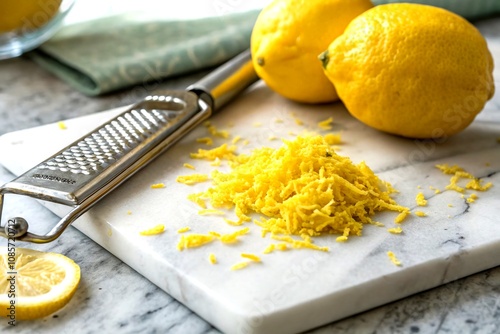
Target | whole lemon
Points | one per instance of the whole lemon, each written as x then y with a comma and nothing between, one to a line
412,70
287,38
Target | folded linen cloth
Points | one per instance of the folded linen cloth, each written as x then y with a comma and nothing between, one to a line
470,9
107,54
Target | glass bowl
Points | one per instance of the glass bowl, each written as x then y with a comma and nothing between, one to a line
26,24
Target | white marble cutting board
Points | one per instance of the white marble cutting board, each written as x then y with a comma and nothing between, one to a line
294,290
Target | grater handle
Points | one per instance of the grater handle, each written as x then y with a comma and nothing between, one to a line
227,81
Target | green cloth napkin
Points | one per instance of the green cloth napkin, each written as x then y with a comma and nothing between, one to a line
470,9
104,55
107,54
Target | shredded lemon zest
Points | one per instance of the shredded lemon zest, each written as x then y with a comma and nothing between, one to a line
333,138
395,230
235,139
188,166
420,214
459,173
221,152
326,124
158,229
62,125
302,187
157,186
205,140
252,257
197,198
240,265
212,259
192,179
472,198
257,124
194,240
401,217
184,229
393,258
206,212
420,199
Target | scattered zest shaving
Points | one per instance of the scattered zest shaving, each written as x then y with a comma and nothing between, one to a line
458,174
240,265
420,214
194,240
421,201
212,259
192,179
326,124
62,125
157,186
402,216
393,258
189,166
205,140
158,229
184,229
231,237
252,257
221,152
206,212
333,139
395,230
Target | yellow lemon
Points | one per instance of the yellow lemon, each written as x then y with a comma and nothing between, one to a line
26,15
412,70
287,38
35,284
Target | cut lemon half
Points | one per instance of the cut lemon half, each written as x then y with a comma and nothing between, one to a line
34,284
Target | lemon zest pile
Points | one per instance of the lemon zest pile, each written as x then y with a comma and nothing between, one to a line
303,187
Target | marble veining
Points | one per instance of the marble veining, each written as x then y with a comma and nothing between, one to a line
113,297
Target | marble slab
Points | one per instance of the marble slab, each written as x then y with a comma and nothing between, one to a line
294,290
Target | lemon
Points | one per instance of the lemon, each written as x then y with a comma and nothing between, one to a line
412,70
26,15
44,283
287,38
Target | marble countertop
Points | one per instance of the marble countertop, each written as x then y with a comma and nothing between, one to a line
113,297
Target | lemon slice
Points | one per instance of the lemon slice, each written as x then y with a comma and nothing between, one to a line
35,284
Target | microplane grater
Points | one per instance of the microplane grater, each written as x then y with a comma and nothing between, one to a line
88,169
